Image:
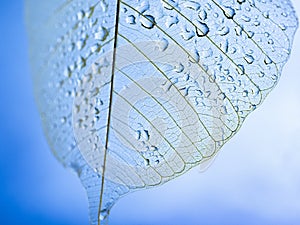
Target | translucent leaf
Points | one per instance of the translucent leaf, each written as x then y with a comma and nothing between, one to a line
135,93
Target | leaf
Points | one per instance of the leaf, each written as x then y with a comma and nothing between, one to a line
135,93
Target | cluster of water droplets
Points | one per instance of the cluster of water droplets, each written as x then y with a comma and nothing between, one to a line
187,73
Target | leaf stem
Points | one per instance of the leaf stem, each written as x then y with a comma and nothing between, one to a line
110,106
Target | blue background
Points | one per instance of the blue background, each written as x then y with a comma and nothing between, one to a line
254,180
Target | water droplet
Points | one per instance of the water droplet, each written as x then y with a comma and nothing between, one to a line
201,29
282,26
246,18
194,57
202,14
253,106
192,5
267,34
103,214
97,111
256,23
229,12
130,19
187,34
225,46
147,21
250,34
145,135
249,59
267,60
101,34
261,74
178,68
240,69
171,20
63,119
80,15
224,110
274,77
245,93
147,162
67,72
230,78
143,7
138,135
266,14
270,42
207,53
223,31
80,44
162,44
81,62
238,30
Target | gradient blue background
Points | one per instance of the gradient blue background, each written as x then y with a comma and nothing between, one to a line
254,180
